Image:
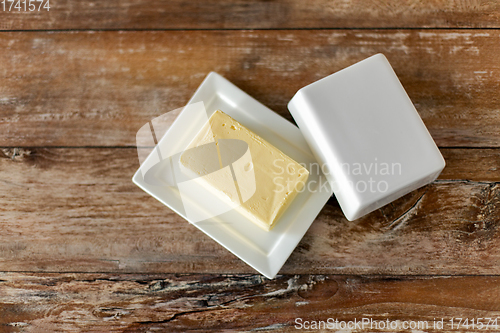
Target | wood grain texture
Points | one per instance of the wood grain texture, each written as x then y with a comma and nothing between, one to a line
223,303
471,164
76,210
252,14
99,88
83,249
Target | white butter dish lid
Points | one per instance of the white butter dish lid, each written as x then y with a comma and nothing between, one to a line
367,136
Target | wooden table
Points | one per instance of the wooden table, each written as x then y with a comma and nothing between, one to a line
83,249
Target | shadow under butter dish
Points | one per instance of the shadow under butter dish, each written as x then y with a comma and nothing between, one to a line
263,180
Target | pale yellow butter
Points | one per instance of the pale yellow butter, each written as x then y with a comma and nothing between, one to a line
262,181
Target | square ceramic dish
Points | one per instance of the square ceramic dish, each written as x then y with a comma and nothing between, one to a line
265,251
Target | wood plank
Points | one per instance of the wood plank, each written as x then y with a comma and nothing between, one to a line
77,210
251,14
99,88
183,303
471,164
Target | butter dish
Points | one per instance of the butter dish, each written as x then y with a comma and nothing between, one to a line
358,135
365,132
265,251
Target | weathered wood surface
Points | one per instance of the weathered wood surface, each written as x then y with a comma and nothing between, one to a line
181,303
76,210
252,14
83,249
99,88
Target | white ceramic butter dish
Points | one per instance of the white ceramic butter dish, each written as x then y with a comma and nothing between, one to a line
357,127
367,136
266,251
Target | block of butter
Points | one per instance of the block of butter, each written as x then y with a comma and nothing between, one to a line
260,180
